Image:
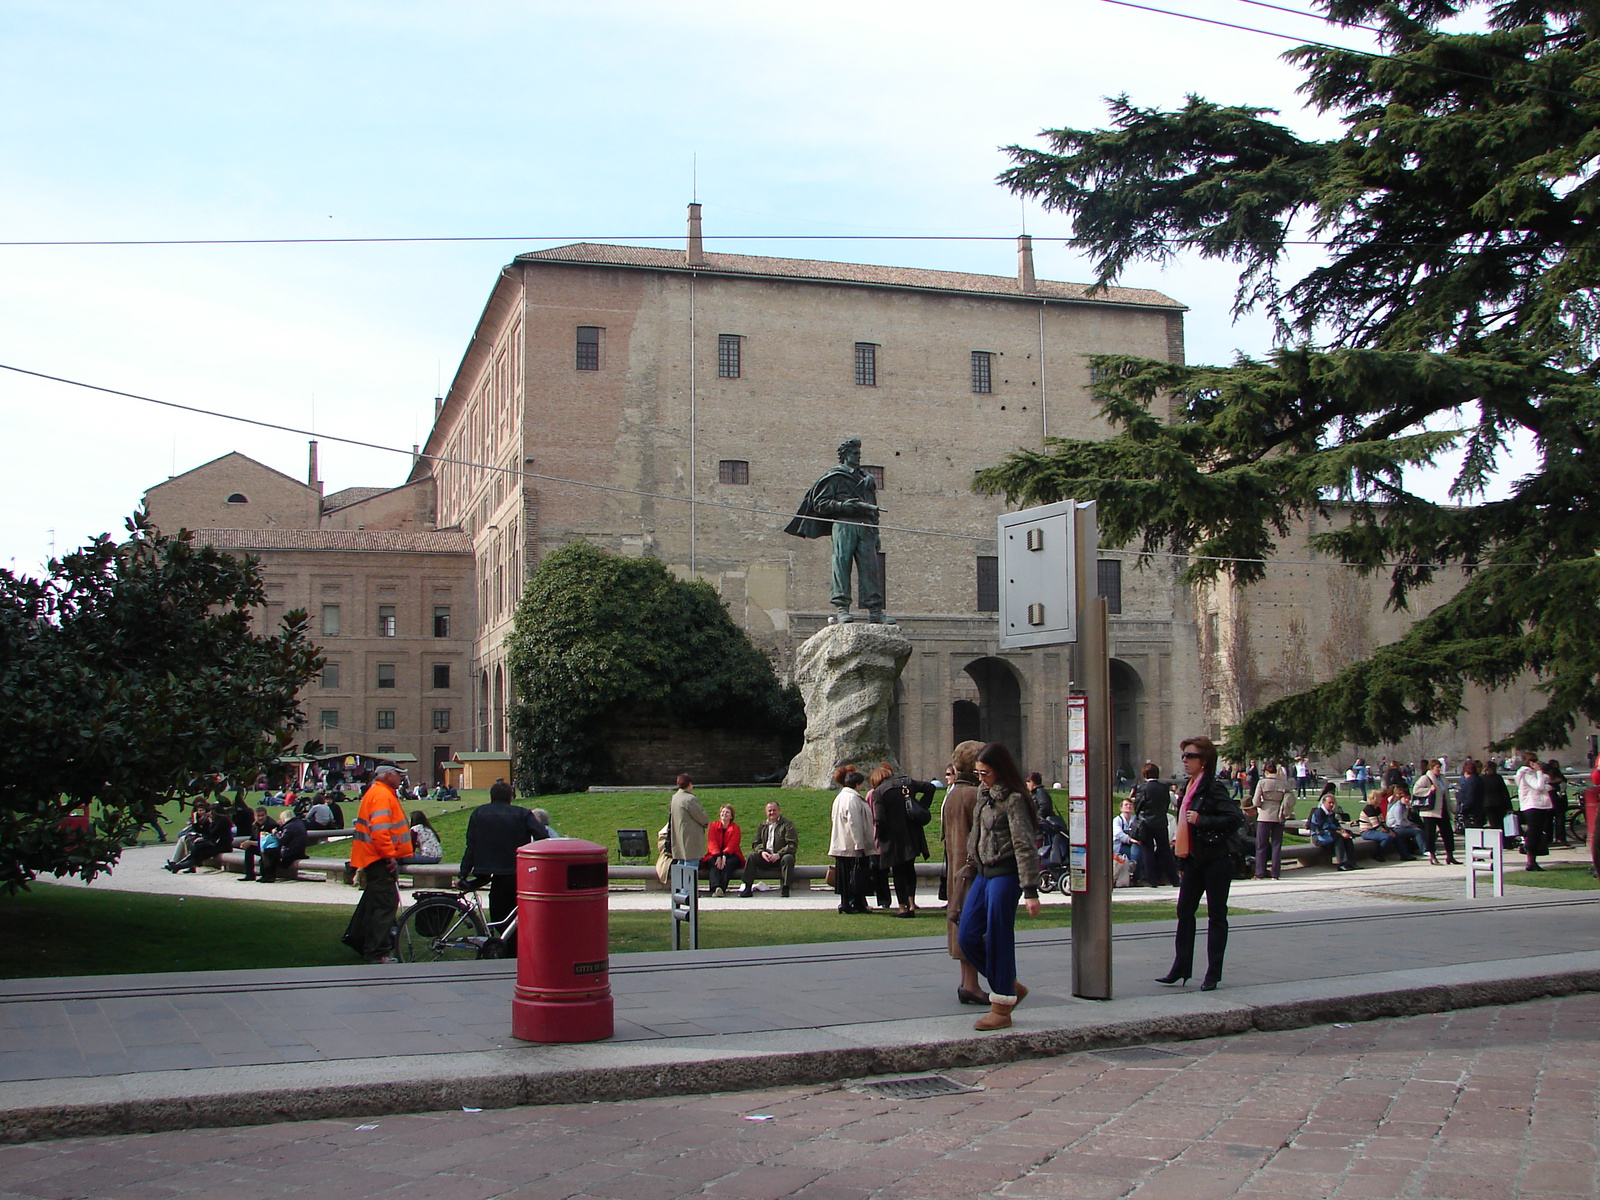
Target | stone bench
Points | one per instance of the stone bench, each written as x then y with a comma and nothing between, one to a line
802,878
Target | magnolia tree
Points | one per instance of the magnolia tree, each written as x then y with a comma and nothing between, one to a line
127,673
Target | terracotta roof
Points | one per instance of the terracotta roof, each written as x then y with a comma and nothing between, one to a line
377,540
856,273
345,497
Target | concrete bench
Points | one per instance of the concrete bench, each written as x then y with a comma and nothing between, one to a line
802,879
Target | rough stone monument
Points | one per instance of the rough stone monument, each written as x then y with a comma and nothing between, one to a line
846,674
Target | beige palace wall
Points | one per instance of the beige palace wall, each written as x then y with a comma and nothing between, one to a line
656,418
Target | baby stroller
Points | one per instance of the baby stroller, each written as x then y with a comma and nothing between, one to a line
1054,851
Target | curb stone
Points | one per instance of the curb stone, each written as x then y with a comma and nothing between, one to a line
148,1103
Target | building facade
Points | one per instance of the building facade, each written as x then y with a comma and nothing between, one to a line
678,404
390,598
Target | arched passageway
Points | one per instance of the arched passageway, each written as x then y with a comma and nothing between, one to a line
1127,721
999,705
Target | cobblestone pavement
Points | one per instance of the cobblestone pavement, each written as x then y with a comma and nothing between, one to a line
1476,1104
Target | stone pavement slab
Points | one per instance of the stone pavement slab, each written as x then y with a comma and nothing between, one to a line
150,1052
1479,1103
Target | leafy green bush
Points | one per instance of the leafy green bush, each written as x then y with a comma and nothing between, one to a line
597,634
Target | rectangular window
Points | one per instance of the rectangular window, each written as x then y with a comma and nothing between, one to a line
386,718
588,347
988,583
441,621
876,473
1109,572
982,371
330,620
330,675
441,675
733,470
386,675
385,620
441,720
866,364
330,718
330,748
728,355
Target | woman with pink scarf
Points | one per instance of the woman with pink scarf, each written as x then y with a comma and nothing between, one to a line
1209,822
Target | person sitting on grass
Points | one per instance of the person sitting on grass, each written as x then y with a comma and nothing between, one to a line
1325,829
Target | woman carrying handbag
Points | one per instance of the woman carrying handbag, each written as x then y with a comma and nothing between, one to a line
1432,805
1209,822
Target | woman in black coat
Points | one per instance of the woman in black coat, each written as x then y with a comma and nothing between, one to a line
1469,797
897,842
1209,823
1497,804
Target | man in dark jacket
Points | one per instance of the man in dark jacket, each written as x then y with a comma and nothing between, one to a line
1151,800
494,832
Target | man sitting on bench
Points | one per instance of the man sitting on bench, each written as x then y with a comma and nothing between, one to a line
772,850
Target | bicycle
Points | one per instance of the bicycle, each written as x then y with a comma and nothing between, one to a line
451,927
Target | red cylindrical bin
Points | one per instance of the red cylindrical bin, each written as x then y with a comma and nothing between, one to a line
563,966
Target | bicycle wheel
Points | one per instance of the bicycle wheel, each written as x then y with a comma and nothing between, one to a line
439,930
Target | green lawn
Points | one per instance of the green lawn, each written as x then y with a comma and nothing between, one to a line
1571,877
54,930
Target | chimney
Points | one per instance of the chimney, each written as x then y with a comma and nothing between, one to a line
697,252
1025,279
312,475
438,406
416,453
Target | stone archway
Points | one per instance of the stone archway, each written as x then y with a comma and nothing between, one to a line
483,710
1127,721
999,703
499,709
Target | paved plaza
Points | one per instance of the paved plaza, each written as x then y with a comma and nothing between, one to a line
1486,1103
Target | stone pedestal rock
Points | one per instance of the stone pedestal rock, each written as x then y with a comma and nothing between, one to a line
846,675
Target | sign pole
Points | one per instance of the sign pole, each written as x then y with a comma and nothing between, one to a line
1091,907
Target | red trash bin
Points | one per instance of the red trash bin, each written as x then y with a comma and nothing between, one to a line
563,968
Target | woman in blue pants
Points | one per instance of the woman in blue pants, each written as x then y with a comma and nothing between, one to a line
1003,862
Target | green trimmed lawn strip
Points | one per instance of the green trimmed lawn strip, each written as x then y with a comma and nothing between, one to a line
52,930
1571,877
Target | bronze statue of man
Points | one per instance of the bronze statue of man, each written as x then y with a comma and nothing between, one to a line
844,503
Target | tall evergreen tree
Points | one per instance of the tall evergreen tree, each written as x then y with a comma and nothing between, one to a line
1455,308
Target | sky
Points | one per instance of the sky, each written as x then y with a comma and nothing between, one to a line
540,123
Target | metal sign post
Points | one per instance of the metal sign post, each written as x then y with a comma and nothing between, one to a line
1048,597
685,903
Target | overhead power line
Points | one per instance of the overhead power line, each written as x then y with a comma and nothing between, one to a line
751,509
1373,54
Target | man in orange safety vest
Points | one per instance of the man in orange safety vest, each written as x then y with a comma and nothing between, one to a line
382,840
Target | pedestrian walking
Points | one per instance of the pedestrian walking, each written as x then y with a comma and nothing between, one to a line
1431,804
955,824
1533,799
1003,854
1274,804
382,839
1209,821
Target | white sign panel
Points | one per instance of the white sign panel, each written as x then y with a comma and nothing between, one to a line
1038,592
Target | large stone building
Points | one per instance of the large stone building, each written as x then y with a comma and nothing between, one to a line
389,595
679,403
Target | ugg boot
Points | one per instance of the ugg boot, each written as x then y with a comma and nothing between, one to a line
999,1016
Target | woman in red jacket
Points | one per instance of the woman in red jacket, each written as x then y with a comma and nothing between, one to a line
722,860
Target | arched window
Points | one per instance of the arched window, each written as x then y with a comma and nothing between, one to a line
238,498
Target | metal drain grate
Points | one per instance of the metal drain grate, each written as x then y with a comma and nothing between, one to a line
1129,1054
919,1087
